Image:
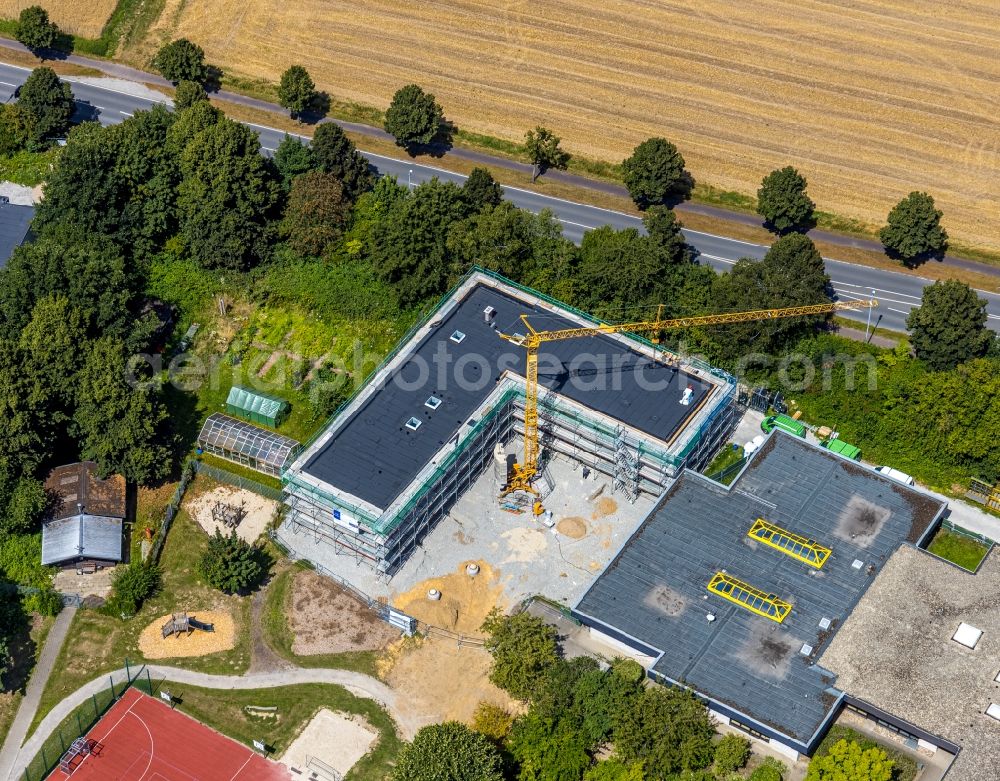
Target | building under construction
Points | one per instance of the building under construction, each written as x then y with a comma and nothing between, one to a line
429,421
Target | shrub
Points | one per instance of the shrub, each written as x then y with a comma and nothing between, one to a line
523,647
448,752
492,721
232,564
46,602
731,753
131,585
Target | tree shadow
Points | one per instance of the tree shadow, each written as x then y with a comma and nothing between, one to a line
60,50
803,227
918,260
18,633
318,108
440,145
213,78
84,111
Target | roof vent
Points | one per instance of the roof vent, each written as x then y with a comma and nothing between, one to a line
824,623
806,649
967,635
433,402
997,679
457,337
993,711
710,617
413,424
489,313
857,564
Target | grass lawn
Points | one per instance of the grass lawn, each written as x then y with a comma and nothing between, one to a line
279,637
728,456
296,707
10,701
99,644
964,551
904,768
28,168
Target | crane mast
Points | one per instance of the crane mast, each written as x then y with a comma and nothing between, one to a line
523,473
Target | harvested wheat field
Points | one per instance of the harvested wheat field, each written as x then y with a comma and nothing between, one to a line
869,100
74,16
154,646
326,619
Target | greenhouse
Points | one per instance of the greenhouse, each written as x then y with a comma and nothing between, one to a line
256,407
242,443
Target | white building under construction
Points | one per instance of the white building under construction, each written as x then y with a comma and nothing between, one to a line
424,427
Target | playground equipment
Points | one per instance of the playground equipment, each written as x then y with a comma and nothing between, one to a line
182,623
229,515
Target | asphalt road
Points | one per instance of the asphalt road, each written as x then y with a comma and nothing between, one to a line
897,292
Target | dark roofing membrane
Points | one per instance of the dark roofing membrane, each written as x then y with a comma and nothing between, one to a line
14,224
655,589
373,456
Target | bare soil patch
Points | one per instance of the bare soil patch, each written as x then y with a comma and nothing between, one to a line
464,601
574,527
154,646
605,506
80,18
336,739
326,619
259,511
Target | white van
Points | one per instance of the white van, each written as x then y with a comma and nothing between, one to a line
895,474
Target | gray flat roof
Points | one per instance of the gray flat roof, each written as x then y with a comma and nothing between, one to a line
82,537
655,590
14,224
374,456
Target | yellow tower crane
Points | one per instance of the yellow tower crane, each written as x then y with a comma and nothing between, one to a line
523,473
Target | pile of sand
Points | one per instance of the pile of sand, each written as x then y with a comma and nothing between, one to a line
154,646
573,527
259,511
464,602
605,506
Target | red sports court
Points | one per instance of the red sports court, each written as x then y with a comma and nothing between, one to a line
142,739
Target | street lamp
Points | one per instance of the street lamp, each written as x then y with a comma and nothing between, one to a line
409,178
869,323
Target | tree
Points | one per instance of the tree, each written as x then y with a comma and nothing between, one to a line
316,214
26,441
225,197
949,326
189,123
769,770
119,423
45,105
408,246
132,585
664,230
492,721
335,153
547,750
188,93
542,146
231,564
35,30
619,273
22,511
296,91
654,173
448,752
181,60
782,201
615,770
792,273
499,238
13,129
848,760
523,647
292,158
914,229
413,118
481,190
731,754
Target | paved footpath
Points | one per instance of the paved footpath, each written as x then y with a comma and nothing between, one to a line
358,684
29,705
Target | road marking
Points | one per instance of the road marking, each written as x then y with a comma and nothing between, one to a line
716,257
7,84
125,113
268,149
577,224
99,108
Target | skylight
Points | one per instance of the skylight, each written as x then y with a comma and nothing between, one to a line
457,337
433,402
967,635
799,548
413,424
746,596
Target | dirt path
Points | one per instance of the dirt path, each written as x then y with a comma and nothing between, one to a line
263,659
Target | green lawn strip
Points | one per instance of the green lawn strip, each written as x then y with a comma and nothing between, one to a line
296,706
726,458
240,471
99,644
964,551
28,168
278,635
904,767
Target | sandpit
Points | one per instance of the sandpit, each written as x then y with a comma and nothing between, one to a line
338,740
259,511
326,619
464,601
154,646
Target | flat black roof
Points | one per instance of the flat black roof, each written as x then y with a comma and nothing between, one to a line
14,224
374,456
655,590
